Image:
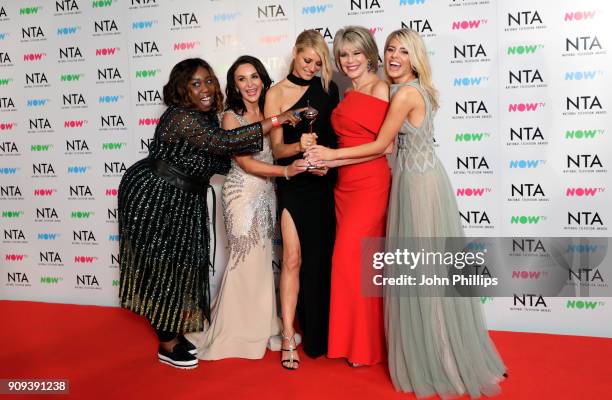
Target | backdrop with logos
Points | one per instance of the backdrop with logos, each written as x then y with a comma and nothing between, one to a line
523,128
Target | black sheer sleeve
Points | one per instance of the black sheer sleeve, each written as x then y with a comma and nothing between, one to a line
202,130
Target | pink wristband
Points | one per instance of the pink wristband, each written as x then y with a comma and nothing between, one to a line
275,122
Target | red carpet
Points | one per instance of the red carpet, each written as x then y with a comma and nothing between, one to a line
111,353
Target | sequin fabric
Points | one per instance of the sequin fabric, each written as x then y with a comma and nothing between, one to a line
164,237
415,145
249,206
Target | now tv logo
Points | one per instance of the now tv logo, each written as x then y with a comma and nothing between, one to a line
468,24
12,214
526,219
472,192
50,279
526,163
583,133
581,248
316,9
113,145
582,75
180,46
109,99
147,73
144,24
67,30
81,214
584,304
48,236
225,17
37,102
148,121
74,123
374,29
101,3
7,126
8,170
470,80
71,77
471,137
15,257
526,274
44,192
107,51
84,259
524,49
580,15
525,107
583,191
34,56
81,169
269,39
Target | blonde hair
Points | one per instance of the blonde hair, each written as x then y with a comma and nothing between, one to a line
362,39
419,60
313,39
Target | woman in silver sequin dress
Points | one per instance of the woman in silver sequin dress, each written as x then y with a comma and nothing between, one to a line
436,345
244,314
164,238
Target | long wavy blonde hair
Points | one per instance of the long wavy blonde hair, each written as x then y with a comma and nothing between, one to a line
419,60
313,39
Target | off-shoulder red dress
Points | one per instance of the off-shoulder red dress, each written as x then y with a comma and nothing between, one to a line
356,329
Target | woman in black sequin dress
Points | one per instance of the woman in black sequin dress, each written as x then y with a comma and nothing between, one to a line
306,201
163,219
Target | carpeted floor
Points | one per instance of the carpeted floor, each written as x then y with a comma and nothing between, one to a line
110,353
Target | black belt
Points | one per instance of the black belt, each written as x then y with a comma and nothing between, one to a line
189,183
178,178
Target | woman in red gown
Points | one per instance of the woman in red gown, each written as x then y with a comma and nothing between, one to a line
356,330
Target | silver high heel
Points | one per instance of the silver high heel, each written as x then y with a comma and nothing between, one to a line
292,348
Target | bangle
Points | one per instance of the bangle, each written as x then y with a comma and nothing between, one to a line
275,122
285,172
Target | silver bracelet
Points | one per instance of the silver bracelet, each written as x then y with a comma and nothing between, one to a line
285,172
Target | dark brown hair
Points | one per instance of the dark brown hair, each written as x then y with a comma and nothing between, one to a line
233,99
176,92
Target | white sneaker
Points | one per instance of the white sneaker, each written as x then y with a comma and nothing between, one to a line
274,342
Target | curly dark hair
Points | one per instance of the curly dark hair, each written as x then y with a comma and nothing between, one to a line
234,100
176,92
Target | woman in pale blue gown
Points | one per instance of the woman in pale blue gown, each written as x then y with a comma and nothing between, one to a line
437,345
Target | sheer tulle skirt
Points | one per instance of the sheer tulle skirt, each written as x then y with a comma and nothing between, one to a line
436,345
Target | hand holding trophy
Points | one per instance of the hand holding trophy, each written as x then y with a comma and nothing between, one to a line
310,138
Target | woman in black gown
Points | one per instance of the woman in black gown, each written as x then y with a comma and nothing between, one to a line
306,201
163,219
